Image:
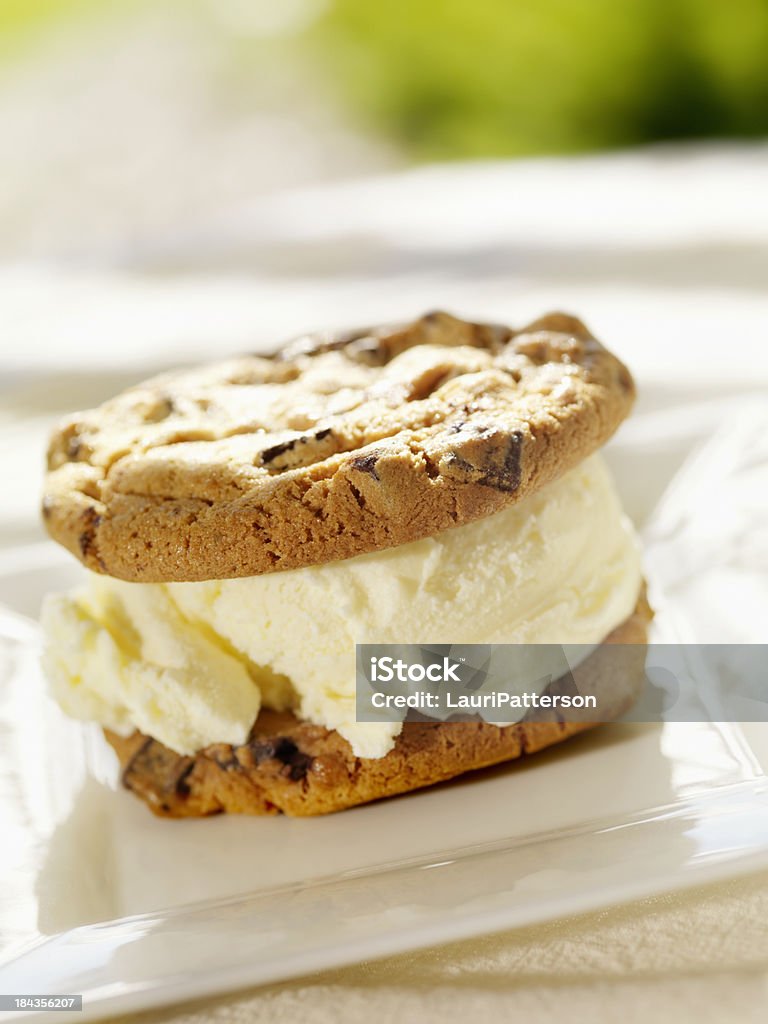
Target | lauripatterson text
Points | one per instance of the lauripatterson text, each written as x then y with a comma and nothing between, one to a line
422,699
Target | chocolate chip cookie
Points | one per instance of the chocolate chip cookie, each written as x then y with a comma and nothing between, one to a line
338,444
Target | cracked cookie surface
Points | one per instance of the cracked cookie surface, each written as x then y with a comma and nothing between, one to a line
337,445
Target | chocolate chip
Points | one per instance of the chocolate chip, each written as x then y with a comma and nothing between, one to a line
316,344
158,772
506,477
277,449
270,454
456,463
299,764
181,785
135,760
366,463
501,470
282,749
87,539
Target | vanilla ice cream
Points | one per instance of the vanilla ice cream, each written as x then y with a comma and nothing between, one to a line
191,663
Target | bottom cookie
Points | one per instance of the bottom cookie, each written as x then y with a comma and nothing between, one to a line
297,768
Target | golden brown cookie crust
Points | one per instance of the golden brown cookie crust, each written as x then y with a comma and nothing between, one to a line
337,445
302,769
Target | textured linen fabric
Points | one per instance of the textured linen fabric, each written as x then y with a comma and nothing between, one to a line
701,955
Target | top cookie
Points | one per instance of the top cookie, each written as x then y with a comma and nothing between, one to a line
338,444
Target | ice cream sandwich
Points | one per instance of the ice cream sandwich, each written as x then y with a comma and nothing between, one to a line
246,524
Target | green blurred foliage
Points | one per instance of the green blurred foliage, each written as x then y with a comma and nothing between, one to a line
496,77
20,15
22,20
493,77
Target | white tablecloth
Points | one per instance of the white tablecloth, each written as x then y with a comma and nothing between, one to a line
699,957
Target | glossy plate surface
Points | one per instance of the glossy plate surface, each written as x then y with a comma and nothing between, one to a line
98,897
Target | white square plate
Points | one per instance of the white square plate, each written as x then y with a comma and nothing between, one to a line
98,897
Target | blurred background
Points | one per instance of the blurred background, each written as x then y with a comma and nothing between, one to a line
123,118
181,179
